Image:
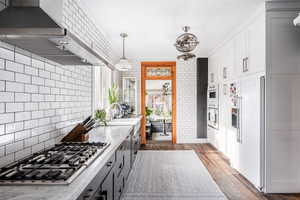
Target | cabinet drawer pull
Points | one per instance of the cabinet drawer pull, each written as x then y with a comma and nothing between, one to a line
109,164
121,166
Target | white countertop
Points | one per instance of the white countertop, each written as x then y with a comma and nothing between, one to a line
113,134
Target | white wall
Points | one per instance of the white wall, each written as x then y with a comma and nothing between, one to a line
186,88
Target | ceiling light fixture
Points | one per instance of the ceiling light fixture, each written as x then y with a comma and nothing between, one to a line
124,64
297,20
186,43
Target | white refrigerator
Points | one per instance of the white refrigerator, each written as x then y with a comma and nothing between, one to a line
250,130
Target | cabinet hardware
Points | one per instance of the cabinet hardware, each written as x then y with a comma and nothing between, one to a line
109,164
245,64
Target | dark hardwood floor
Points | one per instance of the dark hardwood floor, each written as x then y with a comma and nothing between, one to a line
233,185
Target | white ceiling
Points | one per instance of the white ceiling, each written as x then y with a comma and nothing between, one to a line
153,25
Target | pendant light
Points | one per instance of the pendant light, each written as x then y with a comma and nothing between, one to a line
123,64
186,43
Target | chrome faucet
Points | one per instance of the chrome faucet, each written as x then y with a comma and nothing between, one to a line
115,111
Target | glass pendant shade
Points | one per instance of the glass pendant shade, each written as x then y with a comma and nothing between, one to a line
123,64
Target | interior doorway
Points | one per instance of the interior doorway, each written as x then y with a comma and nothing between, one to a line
158,102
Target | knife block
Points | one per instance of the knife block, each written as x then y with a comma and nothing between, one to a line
78,134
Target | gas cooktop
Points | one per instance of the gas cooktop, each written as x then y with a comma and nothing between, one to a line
60,164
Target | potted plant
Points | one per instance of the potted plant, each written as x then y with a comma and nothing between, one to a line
113,99
149,111
100,115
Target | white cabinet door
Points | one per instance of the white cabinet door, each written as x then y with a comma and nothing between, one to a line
240,53
257,45
249,145
228,62
211,63
223,118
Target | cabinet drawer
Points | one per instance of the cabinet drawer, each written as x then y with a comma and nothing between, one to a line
95,184
119,184
120,151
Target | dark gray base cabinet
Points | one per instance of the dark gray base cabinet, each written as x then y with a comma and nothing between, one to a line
110,182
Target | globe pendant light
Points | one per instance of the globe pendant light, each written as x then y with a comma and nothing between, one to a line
186,43
124,64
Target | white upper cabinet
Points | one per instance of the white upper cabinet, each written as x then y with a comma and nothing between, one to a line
213,70
227,70
241,53
250,48
257,45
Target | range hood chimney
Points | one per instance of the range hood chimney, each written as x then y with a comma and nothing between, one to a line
26,25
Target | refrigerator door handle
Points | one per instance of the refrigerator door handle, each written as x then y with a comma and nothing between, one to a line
239,120
262,131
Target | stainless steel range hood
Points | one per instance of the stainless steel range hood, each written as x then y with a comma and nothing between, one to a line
26,25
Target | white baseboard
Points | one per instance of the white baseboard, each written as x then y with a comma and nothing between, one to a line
191,141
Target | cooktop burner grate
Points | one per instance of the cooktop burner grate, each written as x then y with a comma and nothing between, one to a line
57,165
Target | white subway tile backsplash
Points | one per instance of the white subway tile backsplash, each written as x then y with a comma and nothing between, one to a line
22,135
50,97
39,102
2,107
44,74
31,71
49,67
7,159
59,70
37,97
55,91
2,129
14,107
44,90
44,121
2,151
31,88
2,86
31,141
22,116
37,114
22,59
38,64
31,106
7,97
44,137
12,66
14,147
23,153
2,64
7,118
14,127
7,76
14,87
7,54
22,78
44,105
49,113
49,83
55,76
31,124
38,147
22,97
6,139
38,80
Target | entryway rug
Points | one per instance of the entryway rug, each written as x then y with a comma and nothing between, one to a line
170,175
